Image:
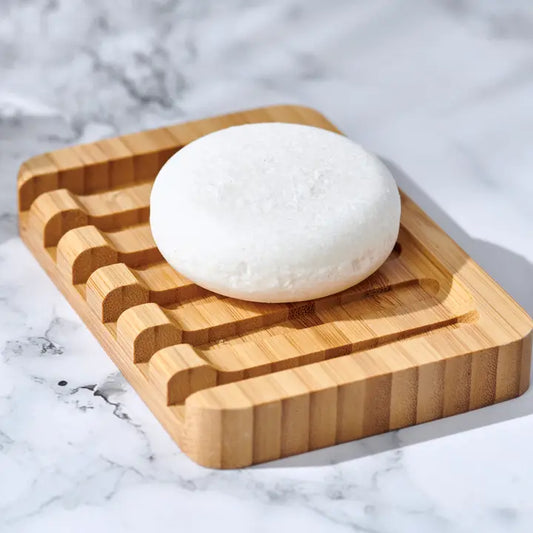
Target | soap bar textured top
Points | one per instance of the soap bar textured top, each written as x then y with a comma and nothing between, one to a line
275,212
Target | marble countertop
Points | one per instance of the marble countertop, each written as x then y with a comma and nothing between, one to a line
442,90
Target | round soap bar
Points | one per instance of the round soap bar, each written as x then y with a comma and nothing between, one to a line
274,212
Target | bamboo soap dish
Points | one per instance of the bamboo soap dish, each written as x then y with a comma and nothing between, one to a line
237,383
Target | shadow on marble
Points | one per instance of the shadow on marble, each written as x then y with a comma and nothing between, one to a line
508,268
511,271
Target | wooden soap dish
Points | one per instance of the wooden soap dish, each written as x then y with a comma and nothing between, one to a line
236,383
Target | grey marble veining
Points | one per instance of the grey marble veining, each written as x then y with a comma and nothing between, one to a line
442,90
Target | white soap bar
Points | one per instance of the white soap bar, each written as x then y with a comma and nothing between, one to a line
275,212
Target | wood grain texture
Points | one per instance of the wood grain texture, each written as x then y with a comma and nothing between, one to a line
236,383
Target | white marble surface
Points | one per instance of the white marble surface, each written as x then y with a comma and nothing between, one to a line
442,90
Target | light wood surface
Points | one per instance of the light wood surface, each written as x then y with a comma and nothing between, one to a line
237,383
